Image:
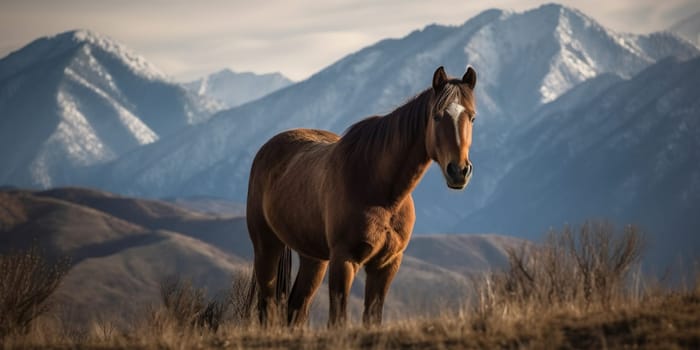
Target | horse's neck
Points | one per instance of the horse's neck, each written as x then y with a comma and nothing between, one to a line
409,164
400,160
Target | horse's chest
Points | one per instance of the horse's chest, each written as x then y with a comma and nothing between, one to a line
376,238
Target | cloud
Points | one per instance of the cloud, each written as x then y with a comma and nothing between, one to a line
188,39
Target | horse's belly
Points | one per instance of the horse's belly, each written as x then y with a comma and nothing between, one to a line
304,240
313,246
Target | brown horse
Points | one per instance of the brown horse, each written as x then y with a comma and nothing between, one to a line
345,202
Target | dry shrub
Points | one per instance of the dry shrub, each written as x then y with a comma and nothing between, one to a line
189,306
575,269
27,280
240,298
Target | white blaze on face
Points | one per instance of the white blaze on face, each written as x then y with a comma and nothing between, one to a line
454,110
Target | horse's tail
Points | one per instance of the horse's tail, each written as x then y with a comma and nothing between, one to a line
284,276
284,279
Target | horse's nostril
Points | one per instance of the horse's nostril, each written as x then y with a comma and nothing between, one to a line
452,170
467,169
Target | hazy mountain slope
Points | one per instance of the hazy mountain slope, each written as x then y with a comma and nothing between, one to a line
631,153
78,99
230,89
209,205
523,60
464,254
688,28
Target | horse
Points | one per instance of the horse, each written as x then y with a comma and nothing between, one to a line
343,203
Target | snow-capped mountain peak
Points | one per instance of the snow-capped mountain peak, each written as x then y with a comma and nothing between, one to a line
137,63
56,46
92,99
560,47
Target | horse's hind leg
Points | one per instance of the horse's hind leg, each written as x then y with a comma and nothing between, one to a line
308,280
376,287
268,250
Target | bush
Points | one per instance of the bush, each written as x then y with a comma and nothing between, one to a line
27,280
241,297
580,268
189,307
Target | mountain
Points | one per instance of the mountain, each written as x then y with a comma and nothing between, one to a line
523,60
78,99
121,248
629,151
231,89
688,28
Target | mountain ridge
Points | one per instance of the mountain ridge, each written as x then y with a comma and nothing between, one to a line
378,78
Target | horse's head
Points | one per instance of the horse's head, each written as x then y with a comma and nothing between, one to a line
449,131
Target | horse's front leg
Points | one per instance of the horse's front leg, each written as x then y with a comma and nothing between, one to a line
341,273
376,288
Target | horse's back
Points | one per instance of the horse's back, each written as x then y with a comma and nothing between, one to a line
283,147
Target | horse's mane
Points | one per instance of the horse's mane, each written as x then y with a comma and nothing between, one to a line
401,128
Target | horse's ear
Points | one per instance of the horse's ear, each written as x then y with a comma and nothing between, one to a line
439,79
470,77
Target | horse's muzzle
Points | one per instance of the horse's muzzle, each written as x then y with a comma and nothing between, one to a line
458,176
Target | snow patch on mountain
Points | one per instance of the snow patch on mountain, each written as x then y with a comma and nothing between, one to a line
142,133
74,141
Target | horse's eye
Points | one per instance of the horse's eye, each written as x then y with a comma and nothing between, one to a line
436,117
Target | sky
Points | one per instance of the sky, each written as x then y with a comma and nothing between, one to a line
189,39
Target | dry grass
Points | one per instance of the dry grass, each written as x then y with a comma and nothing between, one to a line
578,289
576,271
189,307
27,280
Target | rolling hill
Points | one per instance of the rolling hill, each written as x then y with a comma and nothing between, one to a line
122,248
